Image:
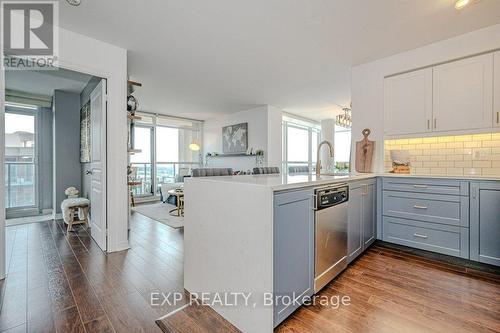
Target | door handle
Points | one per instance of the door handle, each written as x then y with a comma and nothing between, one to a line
498,117
420,236
420,207
88,172
435,123
428,124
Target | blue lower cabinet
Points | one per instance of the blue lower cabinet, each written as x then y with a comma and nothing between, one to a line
293,251
362,220
436,208
428,214
440,238
485,222
355,222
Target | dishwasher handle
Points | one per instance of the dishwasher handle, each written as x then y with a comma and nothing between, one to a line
315,202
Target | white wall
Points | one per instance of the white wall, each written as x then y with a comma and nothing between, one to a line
264,132
274,137
367,83
84,54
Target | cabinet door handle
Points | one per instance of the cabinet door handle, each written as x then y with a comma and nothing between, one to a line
419,186
365,189
420,236
420,207
435,123
428,124
498,117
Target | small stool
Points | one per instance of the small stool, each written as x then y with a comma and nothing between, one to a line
71,209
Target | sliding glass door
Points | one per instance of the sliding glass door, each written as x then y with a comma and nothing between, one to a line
165,155
20,158
142,161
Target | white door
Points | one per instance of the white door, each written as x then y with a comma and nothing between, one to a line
98,164
462,96
408,103
496,95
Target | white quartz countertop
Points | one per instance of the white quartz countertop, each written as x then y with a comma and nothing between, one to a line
280,182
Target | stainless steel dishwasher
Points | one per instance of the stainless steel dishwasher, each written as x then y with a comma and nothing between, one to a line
330,233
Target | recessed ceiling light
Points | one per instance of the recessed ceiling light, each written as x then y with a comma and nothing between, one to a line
74,2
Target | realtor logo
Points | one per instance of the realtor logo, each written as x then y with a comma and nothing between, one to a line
29,34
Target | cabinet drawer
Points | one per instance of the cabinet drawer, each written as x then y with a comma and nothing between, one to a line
434,237
445,209
427,185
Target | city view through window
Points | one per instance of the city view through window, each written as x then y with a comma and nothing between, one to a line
20,159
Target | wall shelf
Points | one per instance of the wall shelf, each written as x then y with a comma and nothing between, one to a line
134,117
134,83
134,151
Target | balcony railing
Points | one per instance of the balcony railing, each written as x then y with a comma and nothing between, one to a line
166,172
20,184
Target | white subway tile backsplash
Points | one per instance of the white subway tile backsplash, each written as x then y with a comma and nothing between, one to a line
476,154
455,145
463,151
481,137
491,144
463,164
481,154
481,164
455,171
491,171
472,144
438,171
472,171
430,164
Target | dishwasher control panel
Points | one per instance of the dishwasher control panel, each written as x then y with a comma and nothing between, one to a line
332,196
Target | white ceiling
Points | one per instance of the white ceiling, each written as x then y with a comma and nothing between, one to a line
45,82
200,58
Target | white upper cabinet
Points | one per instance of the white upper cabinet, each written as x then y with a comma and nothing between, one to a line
462,94
408,103
496,96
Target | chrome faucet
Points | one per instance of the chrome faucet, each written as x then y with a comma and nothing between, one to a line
318,159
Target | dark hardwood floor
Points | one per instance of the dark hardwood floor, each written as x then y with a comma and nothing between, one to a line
64,283
396,291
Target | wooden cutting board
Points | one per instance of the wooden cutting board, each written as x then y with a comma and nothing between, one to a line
364,153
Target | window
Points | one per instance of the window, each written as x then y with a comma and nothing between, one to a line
342,143
142,161
20,158
165,155
300,143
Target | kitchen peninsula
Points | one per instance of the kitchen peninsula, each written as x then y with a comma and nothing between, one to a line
255,234
230,241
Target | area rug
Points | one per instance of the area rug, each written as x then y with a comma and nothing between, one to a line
159,212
